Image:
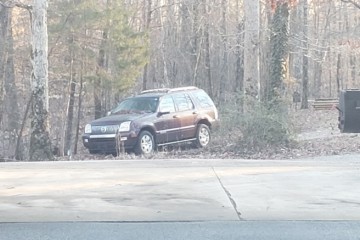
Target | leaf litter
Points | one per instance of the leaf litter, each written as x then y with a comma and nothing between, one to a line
316,134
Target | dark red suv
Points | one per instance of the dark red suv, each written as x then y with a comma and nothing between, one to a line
152,119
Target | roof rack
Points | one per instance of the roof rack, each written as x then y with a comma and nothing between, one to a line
182,89
168,90
158,90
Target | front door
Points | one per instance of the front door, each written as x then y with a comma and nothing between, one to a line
167,123
187,115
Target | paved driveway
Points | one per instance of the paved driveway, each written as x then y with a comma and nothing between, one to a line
325,188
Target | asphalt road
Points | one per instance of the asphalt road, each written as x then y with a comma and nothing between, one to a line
235,230
182,199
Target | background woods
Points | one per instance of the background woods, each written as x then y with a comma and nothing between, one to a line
237,50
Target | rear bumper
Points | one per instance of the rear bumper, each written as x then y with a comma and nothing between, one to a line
107,143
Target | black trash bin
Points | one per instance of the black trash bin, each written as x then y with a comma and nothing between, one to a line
349,111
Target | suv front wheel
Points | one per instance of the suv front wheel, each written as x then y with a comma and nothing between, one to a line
145,144
203,136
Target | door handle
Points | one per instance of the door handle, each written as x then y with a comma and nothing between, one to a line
195,112
175,116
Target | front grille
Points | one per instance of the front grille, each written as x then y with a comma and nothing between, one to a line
104,129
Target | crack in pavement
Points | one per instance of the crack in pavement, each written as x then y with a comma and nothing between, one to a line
228,194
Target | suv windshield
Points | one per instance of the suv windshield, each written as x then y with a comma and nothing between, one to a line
137,105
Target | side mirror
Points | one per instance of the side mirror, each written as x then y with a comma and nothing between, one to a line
108,113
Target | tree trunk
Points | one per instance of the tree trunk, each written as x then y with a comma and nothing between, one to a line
224,68
319,54
80,100
18,150
330,74
305,68
207,50
70,108
11,98
163,48
8,92
147,20
195,45
316,92
97,98
101,68
251,53
338,77
40,145
279,53
4,25
239,77
353,70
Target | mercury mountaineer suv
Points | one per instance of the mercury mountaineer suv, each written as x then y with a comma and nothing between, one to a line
152,119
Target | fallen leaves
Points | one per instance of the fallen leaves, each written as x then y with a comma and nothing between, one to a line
316,135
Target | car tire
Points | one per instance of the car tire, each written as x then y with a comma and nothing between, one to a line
203,136
145,144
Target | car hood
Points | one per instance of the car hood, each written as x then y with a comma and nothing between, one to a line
118,118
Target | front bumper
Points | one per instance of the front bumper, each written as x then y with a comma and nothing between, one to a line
106,143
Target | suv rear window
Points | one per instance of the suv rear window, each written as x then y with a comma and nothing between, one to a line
203,99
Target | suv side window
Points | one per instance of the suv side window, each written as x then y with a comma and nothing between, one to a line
183,102
167,104
203,99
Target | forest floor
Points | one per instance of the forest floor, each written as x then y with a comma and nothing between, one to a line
316,134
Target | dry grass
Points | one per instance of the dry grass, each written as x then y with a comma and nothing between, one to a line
316,135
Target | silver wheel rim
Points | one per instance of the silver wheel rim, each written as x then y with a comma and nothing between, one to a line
204,136
146,144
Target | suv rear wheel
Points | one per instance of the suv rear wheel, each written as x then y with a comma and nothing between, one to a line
203,135
145,144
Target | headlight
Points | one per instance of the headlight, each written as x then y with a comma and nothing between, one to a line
88,128
125,126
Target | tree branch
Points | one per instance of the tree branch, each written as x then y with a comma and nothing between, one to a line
12,4
352,2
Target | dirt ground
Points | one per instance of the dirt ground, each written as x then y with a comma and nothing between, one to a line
316,134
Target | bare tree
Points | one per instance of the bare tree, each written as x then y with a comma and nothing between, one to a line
305,69
206,10
147,12
251,52
101,69
4,26
339,84
224,68
355,3
239,72
11,95
71,102
40,145
195,43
